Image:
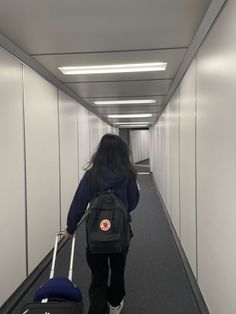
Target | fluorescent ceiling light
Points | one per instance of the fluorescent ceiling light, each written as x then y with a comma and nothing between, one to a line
133,126
120,123
115,68
120,102
141,115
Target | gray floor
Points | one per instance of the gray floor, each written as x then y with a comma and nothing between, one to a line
156,281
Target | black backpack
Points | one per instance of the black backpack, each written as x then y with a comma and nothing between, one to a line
107,226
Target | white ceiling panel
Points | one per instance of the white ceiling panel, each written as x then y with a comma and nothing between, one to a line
114,89
133,109
173,58
127,121
54,26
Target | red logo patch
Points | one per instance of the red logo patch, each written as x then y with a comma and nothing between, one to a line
105,225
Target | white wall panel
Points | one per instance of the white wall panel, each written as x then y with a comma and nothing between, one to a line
93,133
158,154
84,138
144,145
139,144
115,131
163,156
140,153
151,143
105,128
12,179
100,129
134,140
109,129
216,164
68,152
187,165
42,158
154,152
167,157
155,156
174,161
162,159
146,150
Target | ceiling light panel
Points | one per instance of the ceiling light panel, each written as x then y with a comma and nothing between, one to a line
115,68
141,115
135,123
133,126
128,102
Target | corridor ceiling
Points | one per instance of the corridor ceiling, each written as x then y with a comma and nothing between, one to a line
58,33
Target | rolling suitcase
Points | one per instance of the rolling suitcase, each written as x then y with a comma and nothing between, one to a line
58,295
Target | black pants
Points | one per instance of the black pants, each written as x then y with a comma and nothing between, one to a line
100,292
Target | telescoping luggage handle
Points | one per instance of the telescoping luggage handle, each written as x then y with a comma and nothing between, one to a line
58,236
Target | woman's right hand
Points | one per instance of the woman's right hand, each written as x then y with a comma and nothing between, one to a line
67,235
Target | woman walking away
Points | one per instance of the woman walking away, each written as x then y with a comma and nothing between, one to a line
110,169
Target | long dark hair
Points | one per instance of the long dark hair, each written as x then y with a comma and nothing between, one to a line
113,155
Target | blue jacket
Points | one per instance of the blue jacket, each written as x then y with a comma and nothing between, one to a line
126,189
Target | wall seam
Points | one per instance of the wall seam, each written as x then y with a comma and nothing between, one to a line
196,212
25,173
179,164
59,158
78,159
169,160
89,123
171,214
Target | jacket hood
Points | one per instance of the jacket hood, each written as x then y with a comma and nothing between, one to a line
110,179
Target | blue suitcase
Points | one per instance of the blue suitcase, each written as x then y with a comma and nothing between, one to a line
58,295
53,307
